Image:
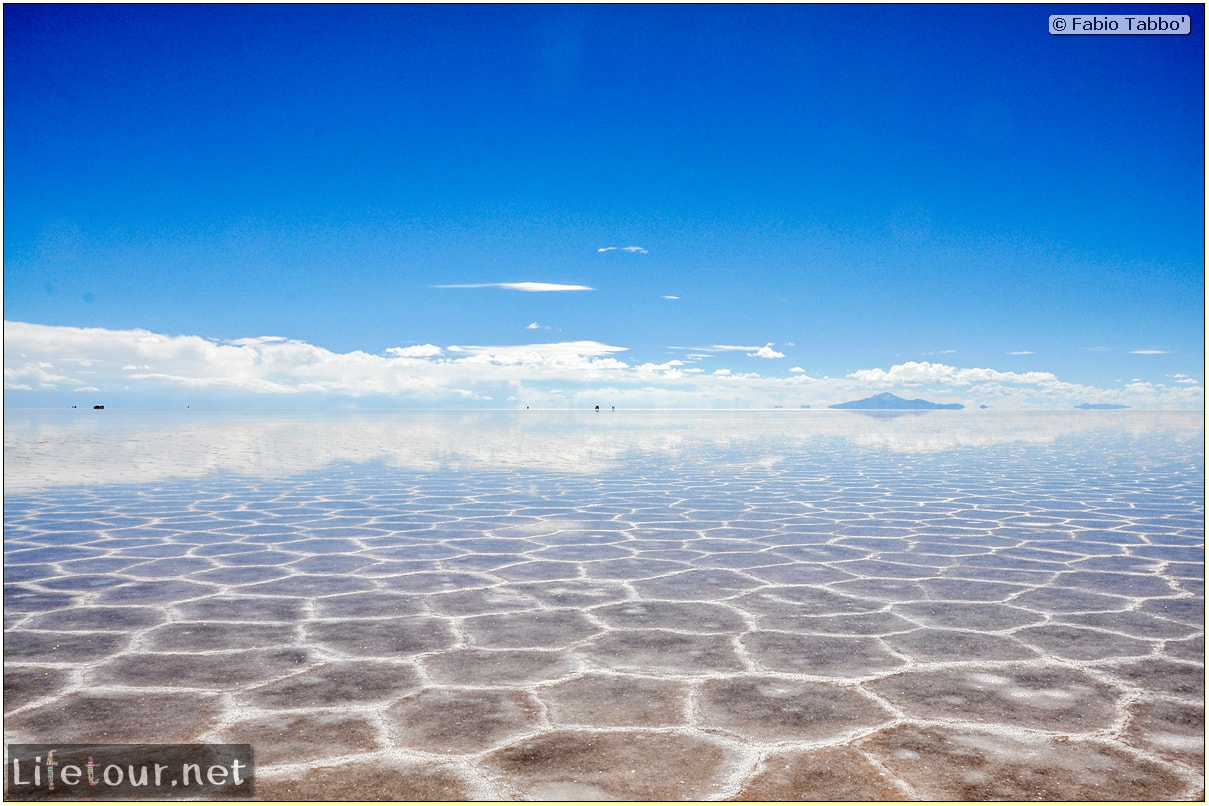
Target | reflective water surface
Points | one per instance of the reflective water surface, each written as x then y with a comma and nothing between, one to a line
637,605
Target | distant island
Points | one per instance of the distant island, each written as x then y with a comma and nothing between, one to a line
888,402
1100,406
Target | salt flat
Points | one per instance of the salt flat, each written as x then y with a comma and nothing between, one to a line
634,605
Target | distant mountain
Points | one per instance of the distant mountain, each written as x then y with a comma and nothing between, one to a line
1100,406
888,402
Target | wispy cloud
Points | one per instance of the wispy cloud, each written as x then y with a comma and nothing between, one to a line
724,348
567,354
529,287
52,365
1150,352
670,296
419,351
632,249
1021,352
752,351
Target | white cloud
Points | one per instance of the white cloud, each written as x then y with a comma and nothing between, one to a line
141,364
528,287
1150,352
632,249
1021,352
796,369
533,326
46,365
766,352
918,372
670,296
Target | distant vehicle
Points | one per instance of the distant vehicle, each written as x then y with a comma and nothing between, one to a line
98,407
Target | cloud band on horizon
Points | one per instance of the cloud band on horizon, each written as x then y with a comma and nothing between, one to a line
53,365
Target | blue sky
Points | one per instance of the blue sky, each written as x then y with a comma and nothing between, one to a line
431,205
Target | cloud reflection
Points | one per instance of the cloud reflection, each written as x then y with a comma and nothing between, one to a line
45,448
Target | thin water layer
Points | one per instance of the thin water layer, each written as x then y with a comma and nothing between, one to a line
623,605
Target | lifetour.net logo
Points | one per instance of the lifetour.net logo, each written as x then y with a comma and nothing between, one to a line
128,772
